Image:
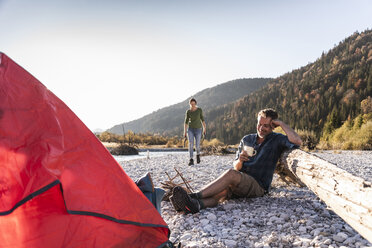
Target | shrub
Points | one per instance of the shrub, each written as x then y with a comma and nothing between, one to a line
352,135
309,139
213,142
124,149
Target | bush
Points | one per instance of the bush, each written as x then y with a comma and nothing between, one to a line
309,139
213,142
352,135
124,149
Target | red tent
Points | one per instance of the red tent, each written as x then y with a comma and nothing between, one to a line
59,186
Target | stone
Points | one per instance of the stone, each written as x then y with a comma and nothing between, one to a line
192,244
186,236
284,216
349,241
302,229
297,243
211,217
208,228
230,243
204,222
349,229
316,232
340,237
327,242
309,223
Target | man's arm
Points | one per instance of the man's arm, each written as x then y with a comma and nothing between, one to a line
293,137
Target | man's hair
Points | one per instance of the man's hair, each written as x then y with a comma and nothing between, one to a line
192,100
269,112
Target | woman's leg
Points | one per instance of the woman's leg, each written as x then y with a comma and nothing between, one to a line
191,137
198,133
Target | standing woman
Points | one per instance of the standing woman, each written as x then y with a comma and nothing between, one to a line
193,129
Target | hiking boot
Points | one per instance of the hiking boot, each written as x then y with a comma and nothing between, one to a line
191,162
197,159
184,201
175,205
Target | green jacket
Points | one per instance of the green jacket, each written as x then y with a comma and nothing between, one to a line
194,118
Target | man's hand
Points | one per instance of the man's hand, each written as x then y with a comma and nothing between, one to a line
276,123
243,156
238,164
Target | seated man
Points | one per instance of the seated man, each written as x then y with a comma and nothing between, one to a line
253,170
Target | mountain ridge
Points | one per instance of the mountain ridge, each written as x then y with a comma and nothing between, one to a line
169,120
316,97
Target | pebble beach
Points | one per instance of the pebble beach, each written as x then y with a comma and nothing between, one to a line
289,216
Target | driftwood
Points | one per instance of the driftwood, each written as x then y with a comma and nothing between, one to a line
348,196
124,149
171,183
217,150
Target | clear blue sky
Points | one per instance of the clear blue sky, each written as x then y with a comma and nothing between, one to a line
113,61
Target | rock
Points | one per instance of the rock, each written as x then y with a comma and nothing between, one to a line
211,217
349,241
309,223
208,228
192,244
302,229
349,229
340,237
327,242
284,216
230,243
186,236
204,222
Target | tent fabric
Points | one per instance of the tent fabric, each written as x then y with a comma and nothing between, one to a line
59,186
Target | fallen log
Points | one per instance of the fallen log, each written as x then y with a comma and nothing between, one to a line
349,196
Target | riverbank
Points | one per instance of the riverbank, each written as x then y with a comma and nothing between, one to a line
356,162
287,217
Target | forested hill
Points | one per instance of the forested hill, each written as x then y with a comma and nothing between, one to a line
169,120
318,96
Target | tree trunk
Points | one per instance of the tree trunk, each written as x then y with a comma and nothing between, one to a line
348,196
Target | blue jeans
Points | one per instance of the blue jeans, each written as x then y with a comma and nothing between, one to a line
194,133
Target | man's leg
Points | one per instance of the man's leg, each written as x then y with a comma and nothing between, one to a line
229,178
246,187
213,201
210,195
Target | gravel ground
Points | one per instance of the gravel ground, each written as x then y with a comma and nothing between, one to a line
287,217
357,163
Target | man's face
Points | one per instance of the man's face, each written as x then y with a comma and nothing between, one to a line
263,126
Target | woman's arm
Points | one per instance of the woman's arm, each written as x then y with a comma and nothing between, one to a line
186,123
204,128
185,130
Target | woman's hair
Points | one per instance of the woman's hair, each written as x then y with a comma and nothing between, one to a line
269,112
192,100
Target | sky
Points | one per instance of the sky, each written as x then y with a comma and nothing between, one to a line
115,61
